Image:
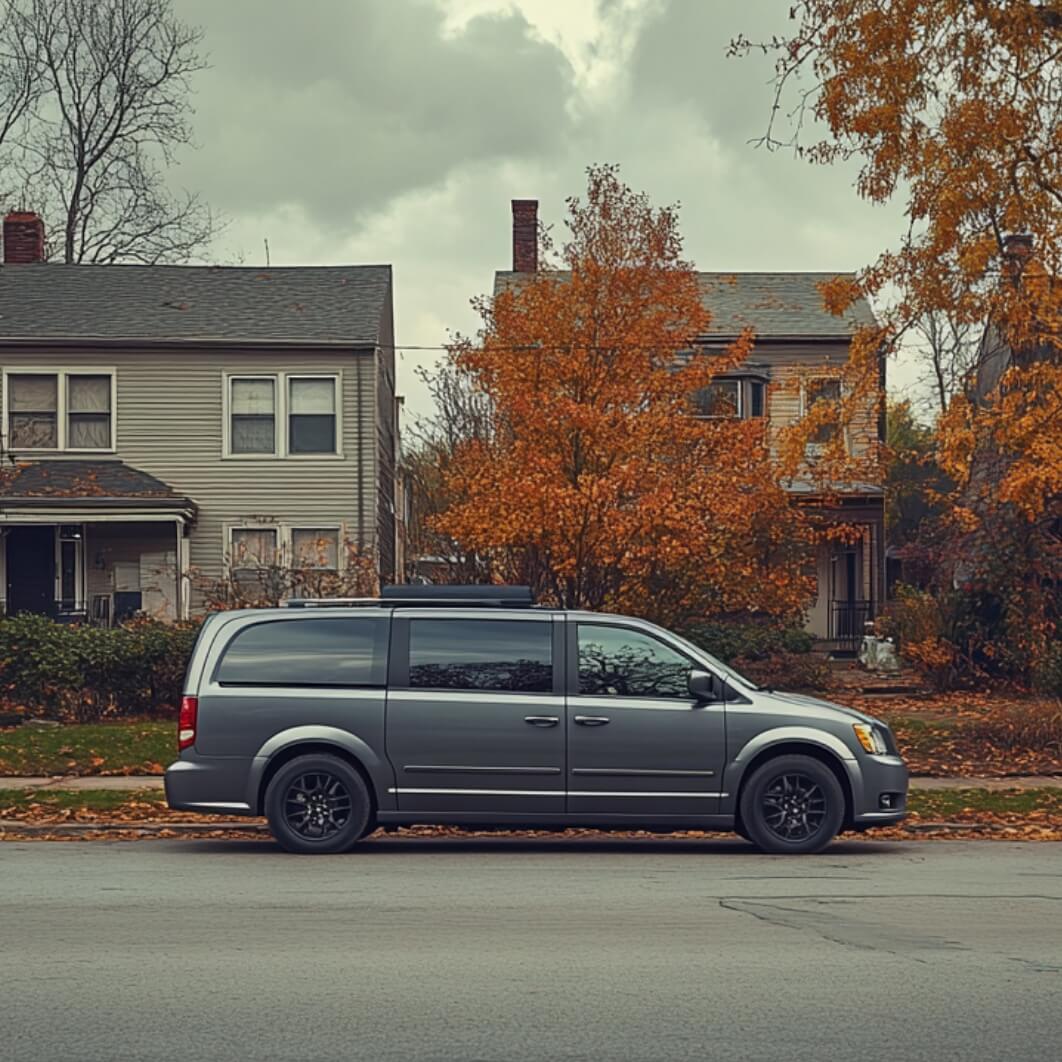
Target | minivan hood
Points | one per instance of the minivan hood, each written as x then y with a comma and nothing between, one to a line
802,701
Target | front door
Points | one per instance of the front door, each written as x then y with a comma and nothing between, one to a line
638,743
30,570
475,715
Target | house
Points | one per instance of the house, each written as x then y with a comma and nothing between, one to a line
166,426
800,351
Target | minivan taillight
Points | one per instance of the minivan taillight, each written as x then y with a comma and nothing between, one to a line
186,722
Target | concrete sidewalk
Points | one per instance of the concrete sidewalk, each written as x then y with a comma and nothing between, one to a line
154,781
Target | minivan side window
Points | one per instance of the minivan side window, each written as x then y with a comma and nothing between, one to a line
615,661
307,652
458,654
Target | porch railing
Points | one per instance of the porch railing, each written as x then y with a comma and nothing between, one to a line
848,620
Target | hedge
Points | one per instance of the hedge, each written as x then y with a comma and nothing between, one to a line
87,672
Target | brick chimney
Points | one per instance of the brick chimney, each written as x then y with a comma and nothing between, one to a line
525,235
23,238
1017,250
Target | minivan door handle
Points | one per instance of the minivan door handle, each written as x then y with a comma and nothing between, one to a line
591,720
541,720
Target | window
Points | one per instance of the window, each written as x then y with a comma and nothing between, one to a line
307,652
755,389
252,409
88,412
312,415
718,399
33,412
61,410
253,547
509,655
826,390
617,662
315,548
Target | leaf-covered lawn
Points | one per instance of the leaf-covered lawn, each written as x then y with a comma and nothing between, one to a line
971,734
99,748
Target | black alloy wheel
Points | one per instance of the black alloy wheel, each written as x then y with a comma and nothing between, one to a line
792,805
318,804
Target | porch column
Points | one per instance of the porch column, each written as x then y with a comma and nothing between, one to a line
183,609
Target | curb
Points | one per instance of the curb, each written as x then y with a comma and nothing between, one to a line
147,829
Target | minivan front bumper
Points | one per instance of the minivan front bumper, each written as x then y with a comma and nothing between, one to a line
883,800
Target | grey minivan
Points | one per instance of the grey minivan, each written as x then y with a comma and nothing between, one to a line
471,706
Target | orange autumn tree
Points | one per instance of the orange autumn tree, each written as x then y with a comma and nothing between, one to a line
596,485
953,108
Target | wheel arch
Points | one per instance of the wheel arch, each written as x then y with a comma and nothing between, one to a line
799,747
269,763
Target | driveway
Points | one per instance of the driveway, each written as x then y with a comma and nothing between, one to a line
514,950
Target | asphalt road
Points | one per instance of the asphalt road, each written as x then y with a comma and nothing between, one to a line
507,950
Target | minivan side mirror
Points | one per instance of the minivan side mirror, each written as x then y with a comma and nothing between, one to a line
704,686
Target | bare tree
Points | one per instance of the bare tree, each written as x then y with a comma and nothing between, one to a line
949,349
461,415
113,107
20,82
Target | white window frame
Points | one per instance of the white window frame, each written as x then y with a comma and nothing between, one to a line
740,414
324,525
251,525
281,426
285,556
61,373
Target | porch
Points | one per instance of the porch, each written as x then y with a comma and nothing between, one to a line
85,557
850,576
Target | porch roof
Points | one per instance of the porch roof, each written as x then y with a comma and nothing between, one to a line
87,487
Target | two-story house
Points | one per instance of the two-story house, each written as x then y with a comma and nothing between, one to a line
164,425
799,354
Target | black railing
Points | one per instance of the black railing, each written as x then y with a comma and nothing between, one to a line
848,620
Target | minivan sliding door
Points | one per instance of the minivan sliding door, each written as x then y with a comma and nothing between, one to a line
475,714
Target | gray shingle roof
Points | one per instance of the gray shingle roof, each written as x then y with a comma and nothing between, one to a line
773,304
82,479
309,304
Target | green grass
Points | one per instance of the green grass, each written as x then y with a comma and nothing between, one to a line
12,800
97,748
951,803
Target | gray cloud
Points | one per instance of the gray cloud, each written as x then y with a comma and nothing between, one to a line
340,107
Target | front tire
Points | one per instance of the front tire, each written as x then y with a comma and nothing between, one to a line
792,805
318,805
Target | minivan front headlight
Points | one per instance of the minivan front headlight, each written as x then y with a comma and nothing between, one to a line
871,738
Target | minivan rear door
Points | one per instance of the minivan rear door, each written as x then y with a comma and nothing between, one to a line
475,713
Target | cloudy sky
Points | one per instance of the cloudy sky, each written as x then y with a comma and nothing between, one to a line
349,131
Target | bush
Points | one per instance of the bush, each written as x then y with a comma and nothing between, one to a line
1029,724
1048,675
785,671
86,672
750,641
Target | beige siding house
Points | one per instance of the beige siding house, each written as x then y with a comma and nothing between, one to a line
799,355
163,426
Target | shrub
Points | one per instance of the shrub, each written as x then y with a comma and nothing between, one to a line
1048,675
785,671
749,641
86,672
1033,724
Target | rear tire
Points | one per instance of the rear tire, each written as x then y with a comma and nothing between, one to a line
792,805
318,805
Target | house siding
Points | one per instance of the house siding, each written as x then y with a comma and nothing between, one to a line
386,446
170,413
